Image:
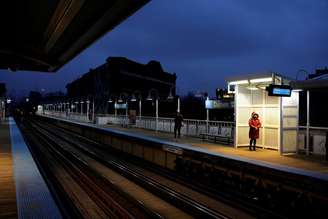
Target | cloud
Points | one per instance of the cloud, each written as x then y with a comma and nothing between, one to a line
204,41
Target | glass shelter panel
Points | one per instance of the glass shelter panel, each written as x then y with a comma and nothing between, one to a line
268,108
290,123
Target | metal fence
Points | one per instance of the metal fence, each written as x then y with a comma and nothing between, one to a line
190,127
71,116
312,140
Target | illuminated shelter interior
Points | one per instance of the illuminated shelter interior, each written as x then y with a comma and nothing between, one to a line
278,115
43,35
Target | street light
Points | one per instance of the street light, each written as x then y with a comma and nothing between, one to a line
76,106
81,102
134,98
154,91
88,102
171,97
301,71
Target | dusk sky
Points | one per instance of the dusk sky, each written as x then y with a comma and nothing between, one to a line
204,41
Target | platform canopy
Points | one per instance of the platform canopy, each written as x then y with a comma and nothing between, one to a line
43,35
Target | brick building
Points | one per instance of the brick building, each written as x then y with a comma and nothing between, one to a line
123,79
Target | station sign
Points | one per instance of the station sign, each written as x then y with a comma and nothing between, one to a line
216,104
172,149
279,90
120,106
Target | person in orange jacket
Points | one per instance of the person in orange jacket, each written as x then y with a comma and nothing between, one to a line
254,130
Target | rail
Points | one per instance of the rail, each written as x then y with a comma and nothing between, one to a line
135,175
191,127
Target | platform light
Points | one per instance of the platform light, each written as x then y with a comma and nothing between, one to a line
260,80
120,100
252,88
133,98
238,82
263,87
297,90
110,101
149,98
170,97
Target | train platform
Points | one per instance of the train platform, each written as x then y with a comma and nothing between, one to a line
23,191
294,162
307,165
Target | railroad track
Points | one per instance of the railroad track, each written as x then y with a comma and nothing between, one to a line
71,147
84,192
225,199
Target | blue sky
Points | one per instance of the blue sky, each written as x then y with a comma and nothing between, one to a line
204,42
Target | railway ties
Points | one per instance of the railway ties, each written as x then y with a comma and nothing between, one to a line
100,172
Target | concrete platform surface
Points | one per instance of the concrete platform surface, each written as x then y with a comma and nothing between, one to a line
304,162
23,191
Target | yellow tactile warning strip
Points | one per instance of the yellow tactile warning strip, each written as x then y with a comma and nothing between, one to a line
8,207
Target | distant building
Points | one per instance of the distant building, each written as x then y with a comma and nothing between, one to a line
3,89
122,79
319,73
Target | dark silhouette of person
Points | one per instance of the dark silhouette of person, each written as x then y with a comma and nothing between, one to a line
254,130
177,124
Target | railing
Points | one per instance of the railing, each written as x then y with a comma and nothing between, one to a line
68,115
315,143
190,127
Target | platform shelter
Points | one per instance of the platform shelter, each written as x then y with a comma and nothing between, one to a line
278,115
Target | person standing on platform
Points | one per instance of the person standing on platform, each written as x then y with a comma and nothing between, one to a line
177,124
254,130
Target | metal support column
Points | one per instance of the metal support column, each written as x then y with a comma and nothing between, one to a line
307,122
207,120
178,110
140,109
115,110
156,114
81,107
93,111
88,103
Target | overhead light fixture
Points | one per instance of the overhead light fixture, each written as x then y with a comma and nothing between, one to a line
227,96
133,98
297,90
149,98
120,101
110,101
263,87
252,88
260,80
238,82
